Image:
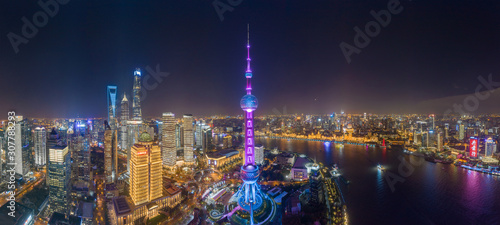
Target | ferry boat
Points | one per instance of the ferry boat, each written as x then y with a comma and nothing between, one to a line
380,167
335,171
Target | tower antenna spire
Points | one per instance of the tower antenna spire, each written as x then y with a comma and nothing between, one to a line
248,54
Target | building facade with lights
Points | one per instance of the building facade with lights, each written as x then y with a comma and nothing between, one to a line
124,117
110,154
148,195
145,170
111,96
58,179
169,152
188,138
40,142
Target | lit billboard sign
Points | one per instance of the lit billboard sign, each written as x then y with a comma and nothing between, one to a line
473,148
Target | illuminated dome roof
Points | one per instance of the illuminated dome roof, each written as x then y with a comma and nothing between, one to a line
145,137
249,102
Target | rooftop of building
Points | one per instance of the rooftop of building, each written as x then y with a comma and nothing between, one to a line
274,191
300,163
172,190
60,219
85,210
121,205
59,146
222,153
145,137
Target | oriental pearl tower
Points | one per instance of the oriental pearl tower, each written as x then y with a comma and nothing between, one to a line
249,196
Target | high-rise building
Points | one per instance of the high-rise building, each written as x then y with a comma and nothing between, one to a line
53,139
207,139
179,136
136,101
134,125
259,154
22,148
40,143
439,140
63,135
124,117
227,141
198,135
490,147
111,96
145,171
432,118
110,154
188,138
58,179
315,185
461,132
169,152
446,130
81,165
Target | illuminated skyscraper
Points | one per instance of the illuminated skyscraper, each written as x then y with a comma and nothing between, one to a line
179,136
439,140
134,125
22,148
490,147
40,143
110,154
207,139
52,140
188,138
431,117
58,179
168,149
145,170
446,130
461,131
111,96
259,154
124,116
136,102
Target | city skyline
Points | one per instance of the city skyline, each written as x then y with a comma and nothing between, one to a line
202,53
351,112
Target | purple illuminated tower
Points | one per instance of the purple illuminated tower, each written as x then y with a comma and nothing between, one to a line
249,195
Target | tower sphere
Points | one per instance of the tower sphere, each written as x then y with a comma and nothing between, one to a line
249,102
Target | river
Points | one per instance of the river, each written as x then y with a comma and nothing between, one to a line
431,193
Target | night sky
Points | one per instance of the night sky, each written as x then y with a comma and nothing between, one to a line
431,50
